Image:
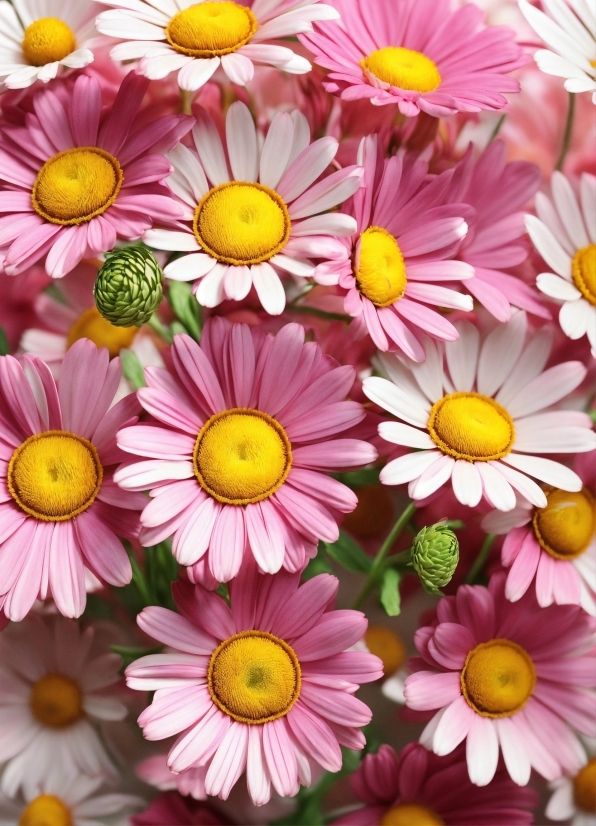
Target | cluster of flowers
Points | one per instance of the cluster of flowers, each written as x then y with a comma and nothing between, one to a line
273,272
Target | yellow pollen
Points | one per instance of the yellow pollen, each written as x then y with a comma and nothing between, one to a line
56,701
385,644
403,68
242,223
584,787
498,678
565,527
254,677
411,814
471,426
92,325
373,515
583,270
76,185
242,456
46,810
211,29
381,271
55,475
47,40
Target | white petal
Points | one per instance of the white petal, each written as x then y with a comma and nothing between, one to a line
552,473
529,365
275,154
269,288
239,68
395,400
190,267
568,209
557,287
522,483
241,138
408,467
575,318
429,374
196,73
588,199
403,434
547,389
497,489
210,290
548,246
165,239
467,484
500,353
433,478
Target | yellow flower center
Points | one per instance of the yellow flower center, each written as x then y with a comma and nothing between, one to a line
584,787
565,527
242,456
254,677
56,701
211,29
76,185
583,270
498,678
92,325
471,426
47,40
55,475
411,814
403,68
242,223
385,644
381,271
46,810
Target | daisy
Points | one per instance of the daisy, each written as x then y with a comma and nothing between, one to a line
60,510
36,39
387,645
53,681
247,220
76,177
569,29
263,686
564,233
417,54
396,262
483,418
493,673
196,38
574,797
248,427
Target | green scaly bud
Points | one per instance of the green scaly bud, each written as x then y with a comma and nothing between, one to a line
435,555
129,287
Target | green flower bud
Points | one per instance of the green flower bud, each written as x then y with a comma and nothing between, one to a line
129,286
435,555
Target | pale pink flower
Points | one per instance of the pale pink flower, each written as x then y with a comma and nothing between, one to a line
573,797
154,771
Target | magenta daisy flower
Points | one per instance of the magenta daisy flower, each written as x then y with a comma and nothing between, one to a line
397,261
76,178
248,426
418,54
60,510
497,676
263,686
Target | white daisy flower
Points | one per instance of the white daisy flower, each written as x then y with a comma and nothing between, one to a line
483,418
569,29
564,233
246,221
194,38
573,798
37,37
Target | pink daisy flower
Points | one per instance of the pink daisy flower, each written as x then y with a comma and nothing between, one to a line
418,54
247,221
494,674
76,178
263,686
417,787
60,510
395,265
171,809
248,426
154,771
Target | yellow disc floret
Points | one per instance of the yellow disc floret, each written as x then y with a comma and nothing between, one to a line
498,678
411,814
46,810
76,185
565,527
403,68
387,646
381,271
584,787
254,677
47,40
583,270
242,223
92,325
471,426
55,475
211,29
242,456
56,701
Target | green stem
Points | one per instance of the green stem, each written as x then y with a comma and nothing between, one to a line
379,560
138,578
159,328
321,313
481,558
568,131
186,102
497,128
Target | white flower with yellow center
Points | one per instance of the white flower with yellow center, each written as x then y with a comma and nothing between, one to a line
574,797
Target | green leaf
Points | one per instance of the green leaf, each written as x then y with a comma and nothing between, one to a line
359,478
132,369
319,565
390,597
349,554
186,307
4,345
131,653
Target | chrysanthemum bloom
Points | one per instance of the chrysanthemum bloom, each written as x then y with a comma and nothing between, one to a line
196,38
246,221
564,233
248,427
61,511
263,686
570,31
53,678
37,39
394,265
497,676
574,798
75,179
417,788
483,417
417,54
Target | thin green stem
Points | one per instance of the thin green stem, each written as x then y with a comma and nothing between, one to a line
159,328
321,313
480,561
568,132
497,128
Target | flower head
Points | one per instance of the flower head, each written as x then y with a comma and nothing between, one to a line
128,289
574,796
435,554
